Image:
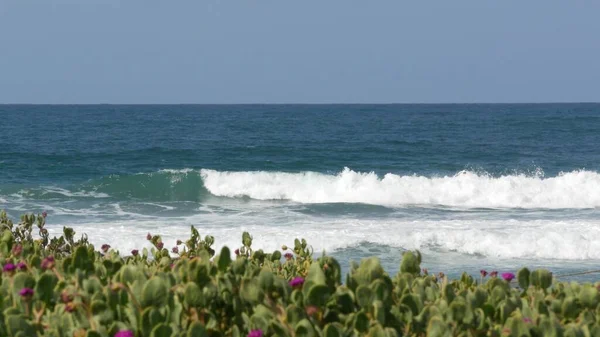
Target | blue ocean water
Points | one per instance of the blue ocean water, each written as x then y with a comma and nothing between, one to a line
491,186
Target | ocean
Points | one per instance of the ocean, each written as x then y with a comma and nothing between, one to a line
472,186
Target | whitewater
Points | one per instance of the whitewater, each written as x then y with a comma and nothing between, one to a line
577,189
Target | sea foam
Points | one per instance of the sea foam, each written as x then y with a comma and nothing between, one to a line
532,239
576,189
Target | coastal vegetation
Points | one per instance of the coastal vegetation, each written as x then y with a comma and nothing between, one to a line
65,286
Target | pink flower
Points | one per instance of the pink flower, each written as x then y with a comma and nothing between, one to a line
160,245
26,292
9,267
527,320
508,276
288,256
44,214
135,252
494,274
48,263
176,250
483,273
237,252
297,282
255,333
21,266
149,236
105,247
124,333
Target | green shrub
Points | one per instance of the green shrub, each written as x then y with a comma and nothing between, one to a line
66,287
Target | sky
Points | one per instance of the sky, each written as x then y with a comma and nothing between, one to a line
281,51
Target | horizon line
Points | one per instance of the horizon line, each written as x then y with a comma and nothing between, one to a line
274,103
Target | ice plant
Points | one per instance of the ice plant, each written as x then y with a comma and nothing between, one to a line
311,310
17,249
26,292
9,267
254,333
65,297
124,333
48,263
70,307
297,281
135,252
21,266
508,276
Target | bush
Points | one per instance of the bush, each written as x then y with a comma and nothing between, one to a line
67,287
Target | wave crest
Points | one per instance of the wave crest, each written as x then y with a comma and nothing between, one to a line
576,189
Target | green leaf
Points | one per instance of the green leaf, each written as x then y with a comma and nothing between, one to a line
154,293
224,259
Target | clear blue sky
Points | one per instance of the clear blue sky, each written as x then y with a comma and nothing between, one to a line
282,51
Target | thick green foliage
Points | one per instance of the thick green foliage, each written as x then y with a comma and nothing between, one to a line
63,287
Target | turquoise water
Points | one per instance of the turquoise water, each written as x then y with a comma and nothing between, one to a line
471,186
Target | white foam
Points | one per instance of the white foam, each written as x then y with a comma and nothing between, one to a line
531,239
576,189
67,193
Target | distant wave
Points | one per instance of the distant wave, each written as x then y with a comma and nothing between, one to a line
576,189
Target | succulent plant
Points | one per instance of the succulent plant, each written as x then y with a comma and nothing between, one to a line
65,287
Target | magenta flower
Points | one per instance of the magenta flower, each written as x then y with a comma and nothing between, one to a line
44,214
494,274
255,333
288,256
105,247
9,267
149,236
21,266
135,252
297,282
176,250
26,292
48,263
124,333
483,273
527,320
237,252
508,276
160,245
